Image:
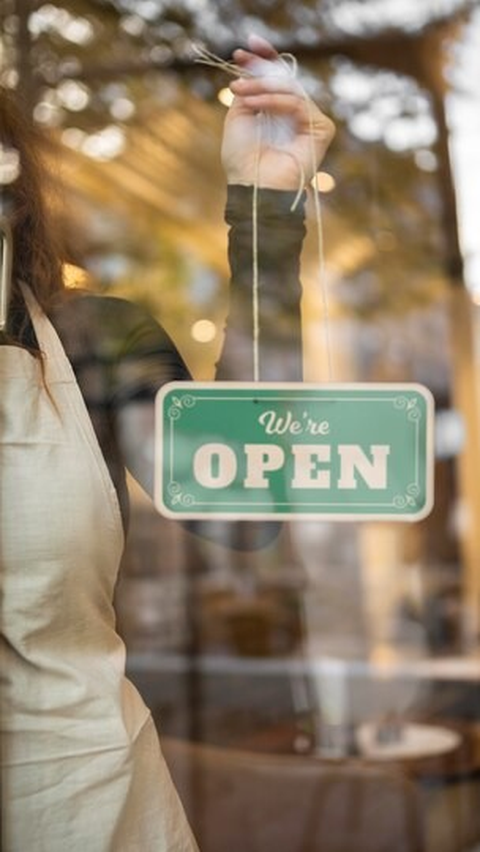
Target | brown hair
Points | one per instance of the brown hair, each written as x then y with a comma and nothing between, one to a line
36,252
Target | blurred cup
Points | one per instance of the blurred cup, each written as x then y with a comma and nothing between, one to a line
335,734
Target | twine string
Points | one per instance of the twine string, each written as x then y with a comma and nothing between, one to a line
255,258
203,56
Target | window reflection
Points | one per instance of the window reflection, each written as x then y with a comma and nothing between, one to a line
349,650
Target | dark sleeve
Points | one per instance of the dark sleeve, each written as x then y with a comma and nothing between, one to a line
119,352
281,231
138,354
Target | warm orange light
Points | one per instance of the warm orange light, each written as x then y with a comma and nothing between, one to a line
75,276
203,331
324,182
225,96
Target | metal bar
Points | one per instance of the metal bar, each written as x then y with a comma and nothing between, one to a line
6,242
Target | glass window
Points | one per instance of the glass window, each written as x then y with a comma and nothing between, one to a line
313,683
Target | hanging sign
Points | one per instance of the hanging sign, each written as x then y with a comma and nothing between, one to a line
234,450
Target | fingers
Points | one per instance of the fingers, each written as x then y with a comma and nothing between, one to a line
307,117
252,64
264,71
280,95
261,46
252,86
277,102
269,86
260,54
258,48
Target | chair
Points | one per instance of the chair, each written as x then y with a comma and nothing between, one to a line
248,802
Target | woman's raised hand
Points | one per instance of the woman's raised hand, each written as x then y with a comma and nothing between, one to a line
273,133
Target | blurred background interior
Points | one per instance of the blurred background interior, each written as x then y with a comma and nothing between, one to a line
322,692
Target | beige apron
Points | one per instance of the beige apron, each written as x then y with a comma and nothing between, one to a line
81,764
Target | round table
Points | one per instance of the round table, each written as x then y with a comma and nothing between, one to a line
413,741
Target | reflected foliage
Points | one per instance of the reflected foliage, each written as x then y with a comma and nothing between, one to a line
97,71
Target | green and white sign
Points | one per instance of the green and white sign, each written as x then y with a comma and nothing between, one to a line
265,451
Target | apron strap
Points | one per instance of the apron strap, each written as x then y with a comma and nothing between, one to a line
57,365
59,370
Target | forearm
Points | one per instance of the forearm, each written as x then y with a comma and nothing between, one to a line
280,237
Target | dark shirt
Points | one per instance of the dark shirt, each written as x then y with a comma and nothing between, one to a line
120,354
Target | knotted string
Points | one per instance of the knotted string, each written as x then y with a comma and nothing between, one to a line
264,126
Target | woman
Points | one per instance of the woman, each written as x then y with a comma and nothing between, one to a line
81,764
